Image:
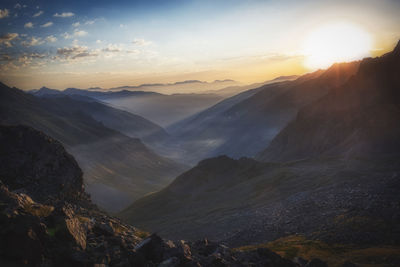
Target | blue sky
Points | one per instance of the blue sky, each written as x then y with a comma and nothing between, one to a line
112,43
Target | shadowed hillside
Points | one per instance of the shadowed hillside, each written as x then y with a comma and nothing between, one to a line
244,124
348,196
358,118
117,168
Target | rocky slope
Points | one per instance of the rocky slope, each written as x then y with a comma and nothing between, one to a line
117,168
244,202
66,229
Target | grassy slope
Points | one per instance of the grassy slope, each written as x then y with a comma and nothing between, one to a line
334,254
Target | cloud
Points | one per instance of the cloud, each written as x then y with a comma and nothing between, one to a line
4,13
7,38
5,57
76,24
141,42
38,14
48,24
89,22
112,48
66,35
17,6
75,52
37,55
134,51
51,39
98,41
80,33
33,42
28,25
64,15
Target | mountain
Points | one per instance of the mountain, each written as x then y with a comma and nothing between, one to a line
237,89
165,109
47,219
181,87
334,179
244,124
122,121
244,202
159,108
358,118
117,168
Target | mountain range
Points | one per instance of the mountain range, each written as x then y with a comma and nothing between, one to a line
118,168
244,124
332,174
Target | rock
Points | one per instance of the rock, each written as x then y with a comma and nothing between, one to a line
171,262
77,232
316,263
300,261
38,165
152,248
22,235
104,228
68,228
349,264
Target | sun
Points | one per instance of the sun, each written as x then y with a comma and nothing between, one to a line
336,42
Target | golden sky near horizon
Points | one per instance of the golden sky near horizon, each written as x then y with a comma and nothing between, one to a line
134,43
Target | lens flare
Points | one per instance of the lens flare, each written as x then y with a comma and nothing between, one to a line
337,42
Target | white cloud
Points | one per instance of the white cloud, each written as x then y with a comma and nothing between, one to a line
141,42
7,38
33,42
51,39
98,41
75,52
89,22
4,13
17,6
28,25
66,35
80,33
48,24
112,48
76,24
64,15
38,14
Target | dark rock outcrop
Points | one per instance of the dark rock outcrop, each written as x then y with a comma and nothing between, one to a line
35,164
46,218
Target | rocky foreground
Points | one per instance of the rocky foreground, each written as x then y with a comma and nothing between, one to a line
47,219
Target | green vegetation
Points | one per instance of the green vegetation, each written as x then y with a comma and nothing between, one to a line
334,254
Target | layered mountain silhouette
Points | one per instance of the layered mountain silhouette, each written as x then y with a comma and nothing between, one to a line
335,175
160,108
359,118
244,124
117,168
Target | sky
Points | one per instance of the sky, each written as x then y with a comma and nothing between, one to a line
82,44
